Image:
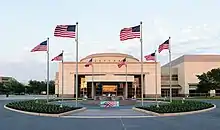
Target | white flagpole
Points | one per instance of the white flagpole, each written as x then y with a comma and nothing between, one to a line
48,70
156,77
76,39
126,84
142,78
170,71
62,75
93,93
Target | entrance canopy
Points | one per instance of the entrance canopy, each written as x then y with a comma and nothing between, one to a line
110,78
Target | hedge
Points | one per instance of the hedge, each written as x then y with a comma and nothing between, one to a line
40,106
177,106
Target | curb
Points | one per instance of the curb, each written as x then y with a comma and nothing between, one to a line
44,114
145,111
173,114
155,101
106,117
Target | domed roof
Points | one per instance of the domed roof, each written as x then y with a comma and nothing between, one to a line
97,55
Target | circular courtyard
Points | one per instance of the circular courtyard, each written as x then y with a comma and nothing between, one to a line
14,120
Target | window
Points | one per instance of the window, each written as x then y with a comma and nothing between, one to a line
167,77
164,77
175,77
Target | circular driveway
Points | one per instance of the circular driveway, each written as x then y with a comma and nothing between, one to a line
203,121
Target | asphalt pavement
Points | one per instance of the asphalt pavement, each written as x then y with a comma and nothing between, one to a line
202,121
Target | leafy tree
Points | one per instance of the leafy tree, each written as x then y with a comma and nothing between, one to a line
36,87
52,87
33,87
13,86
209,81
2,88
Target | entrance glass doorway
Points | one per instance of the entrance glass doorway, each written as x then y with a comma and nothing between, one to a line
109,90
106,88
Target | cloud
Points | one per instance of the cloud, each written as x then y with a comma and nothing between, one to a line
197,39
24,71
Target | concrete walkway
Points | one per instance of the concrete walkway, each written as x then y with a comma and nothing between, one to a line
109,112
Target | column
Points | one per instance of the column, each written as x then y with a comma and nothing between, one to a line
93,91
125,92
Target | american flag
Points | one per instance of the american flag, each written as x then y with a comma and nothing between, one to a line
88,63
41,47
121,63
130,33
164,45
151,56
58,58
65,31
110,104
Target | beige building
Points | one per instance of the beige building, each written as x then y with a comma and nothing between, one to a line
184,71
108,78
4,79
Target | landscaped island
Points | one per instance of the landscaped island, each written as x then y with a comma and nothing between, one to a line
177,106
40,106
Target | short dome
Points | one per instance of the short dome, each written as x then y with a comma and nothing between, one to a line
109,57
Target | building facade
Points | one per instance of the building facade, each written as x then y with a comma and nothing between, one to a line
184,71
107,77
4,79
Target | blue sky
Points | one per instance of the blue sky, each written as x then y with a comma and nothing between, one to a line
194,27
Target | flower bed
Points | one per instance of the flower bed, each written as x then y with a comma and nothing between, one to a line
177,106
40,106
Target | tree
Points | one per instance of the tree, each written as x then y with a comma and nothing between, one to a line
13,86
52,87
209,81
36,87
2,88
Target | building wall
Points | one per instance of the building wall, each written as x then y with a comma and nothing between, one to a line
57,83
108,65
198,69
189,66
150,81
4,79
182,79
186,67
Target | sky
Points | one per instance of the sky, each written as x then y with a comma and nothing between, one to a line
193,25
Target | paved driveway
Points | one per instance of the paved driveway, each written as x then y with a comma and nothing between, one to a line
203,121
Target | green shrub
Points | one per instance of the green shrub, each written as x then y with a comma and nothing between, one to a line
40,106
178,106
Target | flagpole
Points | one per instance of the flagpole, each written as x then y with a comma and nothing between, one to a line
92,81
170,71
142,78
126,84
62,75
47,69
76,39
156,77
